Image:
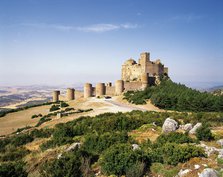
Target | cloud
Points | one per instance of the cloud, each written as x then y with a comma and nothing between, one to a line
96,28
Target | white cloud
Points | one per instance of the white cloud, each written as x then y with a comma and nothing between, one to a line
96,28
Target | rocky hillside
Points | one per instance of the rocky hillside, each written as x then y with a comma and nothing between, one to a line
131,144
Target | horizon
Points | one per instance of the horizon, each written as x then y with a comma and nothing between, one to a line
66,42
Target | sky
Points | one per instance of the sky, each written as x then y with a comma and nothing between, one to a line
54,42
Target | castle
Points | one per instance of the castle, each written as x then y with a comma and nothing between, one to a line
135,76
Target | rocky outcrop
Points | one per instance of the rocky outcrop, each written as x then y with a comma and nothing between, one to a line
183,173
220,142
209,150
208,172
70,148
169,125
194,129
186,127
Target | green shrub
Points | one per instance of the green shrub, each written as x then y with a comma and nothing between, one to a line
34,116
203,133
95,143
54,108
69,109
173,137
14,154
119,158
69,166
13,169
21,139
43,120
172,153
42,133
63,105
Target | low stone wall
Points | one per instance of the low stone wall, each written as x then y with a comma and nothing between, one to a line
110,90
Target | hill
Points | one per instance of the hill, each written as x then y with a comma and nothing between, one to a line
111,144
173,96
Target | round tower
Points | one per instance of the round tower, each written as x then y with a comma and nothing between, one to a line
87,90
100,89
119,87
144,80
56,94
70,94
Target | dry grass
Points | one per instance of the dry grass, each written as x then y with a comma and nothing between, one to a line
145,132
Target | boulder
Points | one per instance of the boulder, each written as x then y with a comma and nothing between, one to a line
193,130
187,127
220,155
70,148
73,146
135,147
196,167
208,172
209,150
169,125
220,142
183,173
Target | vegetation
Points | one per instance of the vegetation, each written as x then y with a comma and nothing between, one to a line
169,95
203,133
106,144
120,158
54,108
36,116
13,169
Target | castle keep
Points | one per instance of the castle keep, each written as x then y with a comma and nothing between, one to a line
133,71
135,76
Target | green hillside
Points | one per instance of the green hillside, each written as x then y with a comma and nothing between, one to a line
173,96
106,143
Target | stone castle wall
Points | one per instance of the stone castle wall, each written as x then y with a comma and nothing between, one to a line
110,90
135,76
136,85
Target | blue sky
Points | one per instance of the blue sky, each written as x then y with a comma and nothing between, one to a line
71,41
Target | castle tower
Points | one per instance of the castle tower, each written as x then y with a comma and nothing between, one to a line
119,87
56,94
100,89
144,59
144,80
70,94
88,90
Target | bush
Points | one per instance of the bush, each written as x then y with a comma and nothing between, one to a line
68,166
21,139
119,158
172,153
13,169
34,116
42,133
173,137
204,133
14,154
63,105
54,108
95,143
43,120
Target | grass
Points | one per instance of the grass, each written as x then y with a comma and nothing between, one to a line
164,170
